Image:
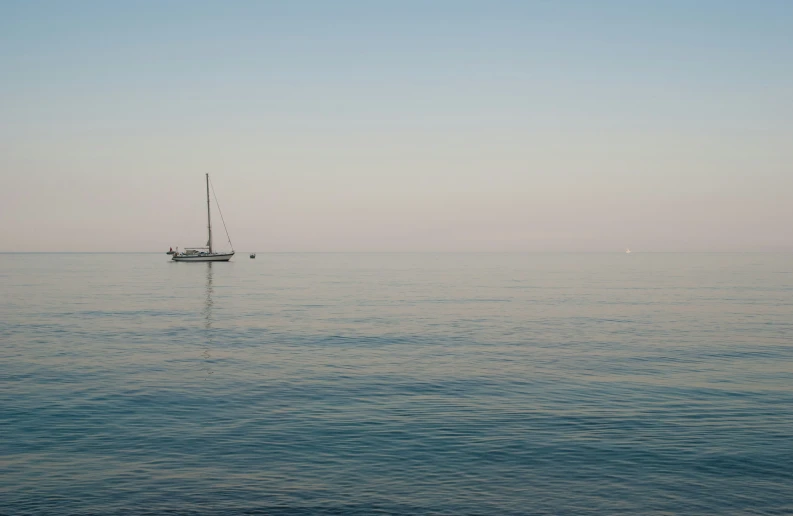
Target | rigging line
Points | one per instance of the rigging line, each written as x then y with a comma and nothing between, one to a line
221,213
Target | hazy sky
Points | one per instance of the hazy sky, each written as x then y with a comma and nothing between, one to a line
398,126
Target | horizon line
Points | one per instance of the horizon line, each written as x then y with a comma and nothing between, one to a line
418,252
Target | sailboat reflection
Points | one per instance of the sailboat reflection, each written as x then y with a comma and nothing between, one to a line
207,312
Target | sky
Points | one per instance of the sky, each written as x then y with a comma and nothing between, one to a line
410,126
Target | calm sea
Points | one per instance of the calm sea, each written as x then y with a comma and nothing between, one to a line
397,384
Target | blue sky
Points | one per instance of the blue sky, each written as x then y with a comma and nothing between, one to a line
398,126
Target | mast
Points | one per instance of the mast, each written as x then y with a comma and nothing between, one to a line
209,219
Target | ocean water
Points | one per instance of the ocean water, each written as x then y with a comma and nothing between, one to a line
397,384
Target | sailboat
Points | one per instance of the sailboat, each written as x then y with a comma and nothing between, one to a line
206,254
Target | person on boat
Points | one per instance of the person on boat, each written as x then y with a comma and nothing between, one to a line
170,250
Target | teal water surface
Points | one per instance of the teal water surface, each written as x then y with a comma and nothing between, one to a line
397,384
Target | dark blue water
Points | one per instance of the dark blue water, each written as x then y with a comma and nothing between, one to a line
397,384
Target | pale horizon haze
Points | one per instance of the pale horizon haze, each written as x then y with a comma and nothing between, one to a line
506,126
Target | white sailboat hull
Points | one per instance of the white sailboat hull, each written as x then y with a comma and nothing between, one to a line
214,257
